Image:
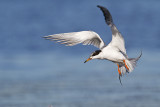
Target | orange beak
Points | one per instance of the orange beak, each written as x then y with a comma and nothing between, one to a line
87,60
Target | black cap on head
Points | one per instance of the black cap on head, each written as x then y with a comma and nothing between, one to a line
96,53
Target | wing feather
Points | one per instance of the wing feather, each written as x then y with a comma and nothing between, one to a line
74,38
117,38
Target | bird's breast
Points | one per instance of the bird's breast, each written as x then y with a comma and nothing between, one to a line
112,54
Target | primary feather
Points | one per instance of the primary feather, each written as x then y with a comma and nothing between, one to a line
74,38
117,38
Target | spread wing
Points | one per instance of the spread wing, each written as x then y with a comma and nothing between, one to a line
74,38
117,38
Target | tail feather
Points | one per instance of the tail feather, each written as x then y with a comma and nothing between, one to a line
123,69
131,62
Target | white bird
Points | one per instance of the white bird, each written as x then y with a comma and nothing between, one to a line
115,51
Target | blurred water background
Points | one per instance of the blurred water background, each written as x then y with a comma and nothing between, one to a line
37,73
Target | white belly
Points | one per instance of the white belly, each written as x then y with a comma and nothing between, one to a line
113,54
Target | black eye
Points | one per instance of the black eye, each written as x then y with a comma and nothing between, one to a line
96,52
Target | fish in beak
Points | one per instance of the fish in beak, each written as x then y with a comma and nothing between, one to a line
87,60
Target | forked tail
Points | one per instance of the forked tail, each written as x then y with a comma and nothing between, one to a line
128,66
131,62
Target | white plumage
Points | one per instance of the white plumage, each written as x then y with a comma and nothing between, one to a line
115,51
74,38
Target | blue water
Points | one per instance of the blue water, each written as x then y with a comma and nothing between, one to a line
38,73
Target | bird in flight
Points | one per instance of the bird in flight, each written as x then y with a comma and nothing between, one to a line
115,51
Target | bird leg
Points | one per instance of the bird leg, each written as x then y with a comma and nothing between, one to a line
120,74
125,65
119,70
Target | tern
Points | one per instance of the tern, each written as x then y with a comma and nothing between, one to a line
115,51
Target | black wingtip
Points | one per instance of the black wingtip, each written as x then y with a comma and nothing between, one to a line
99,6
45,37
107,15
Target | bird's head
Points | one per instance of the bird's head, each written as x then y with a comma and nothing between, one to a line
94,55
